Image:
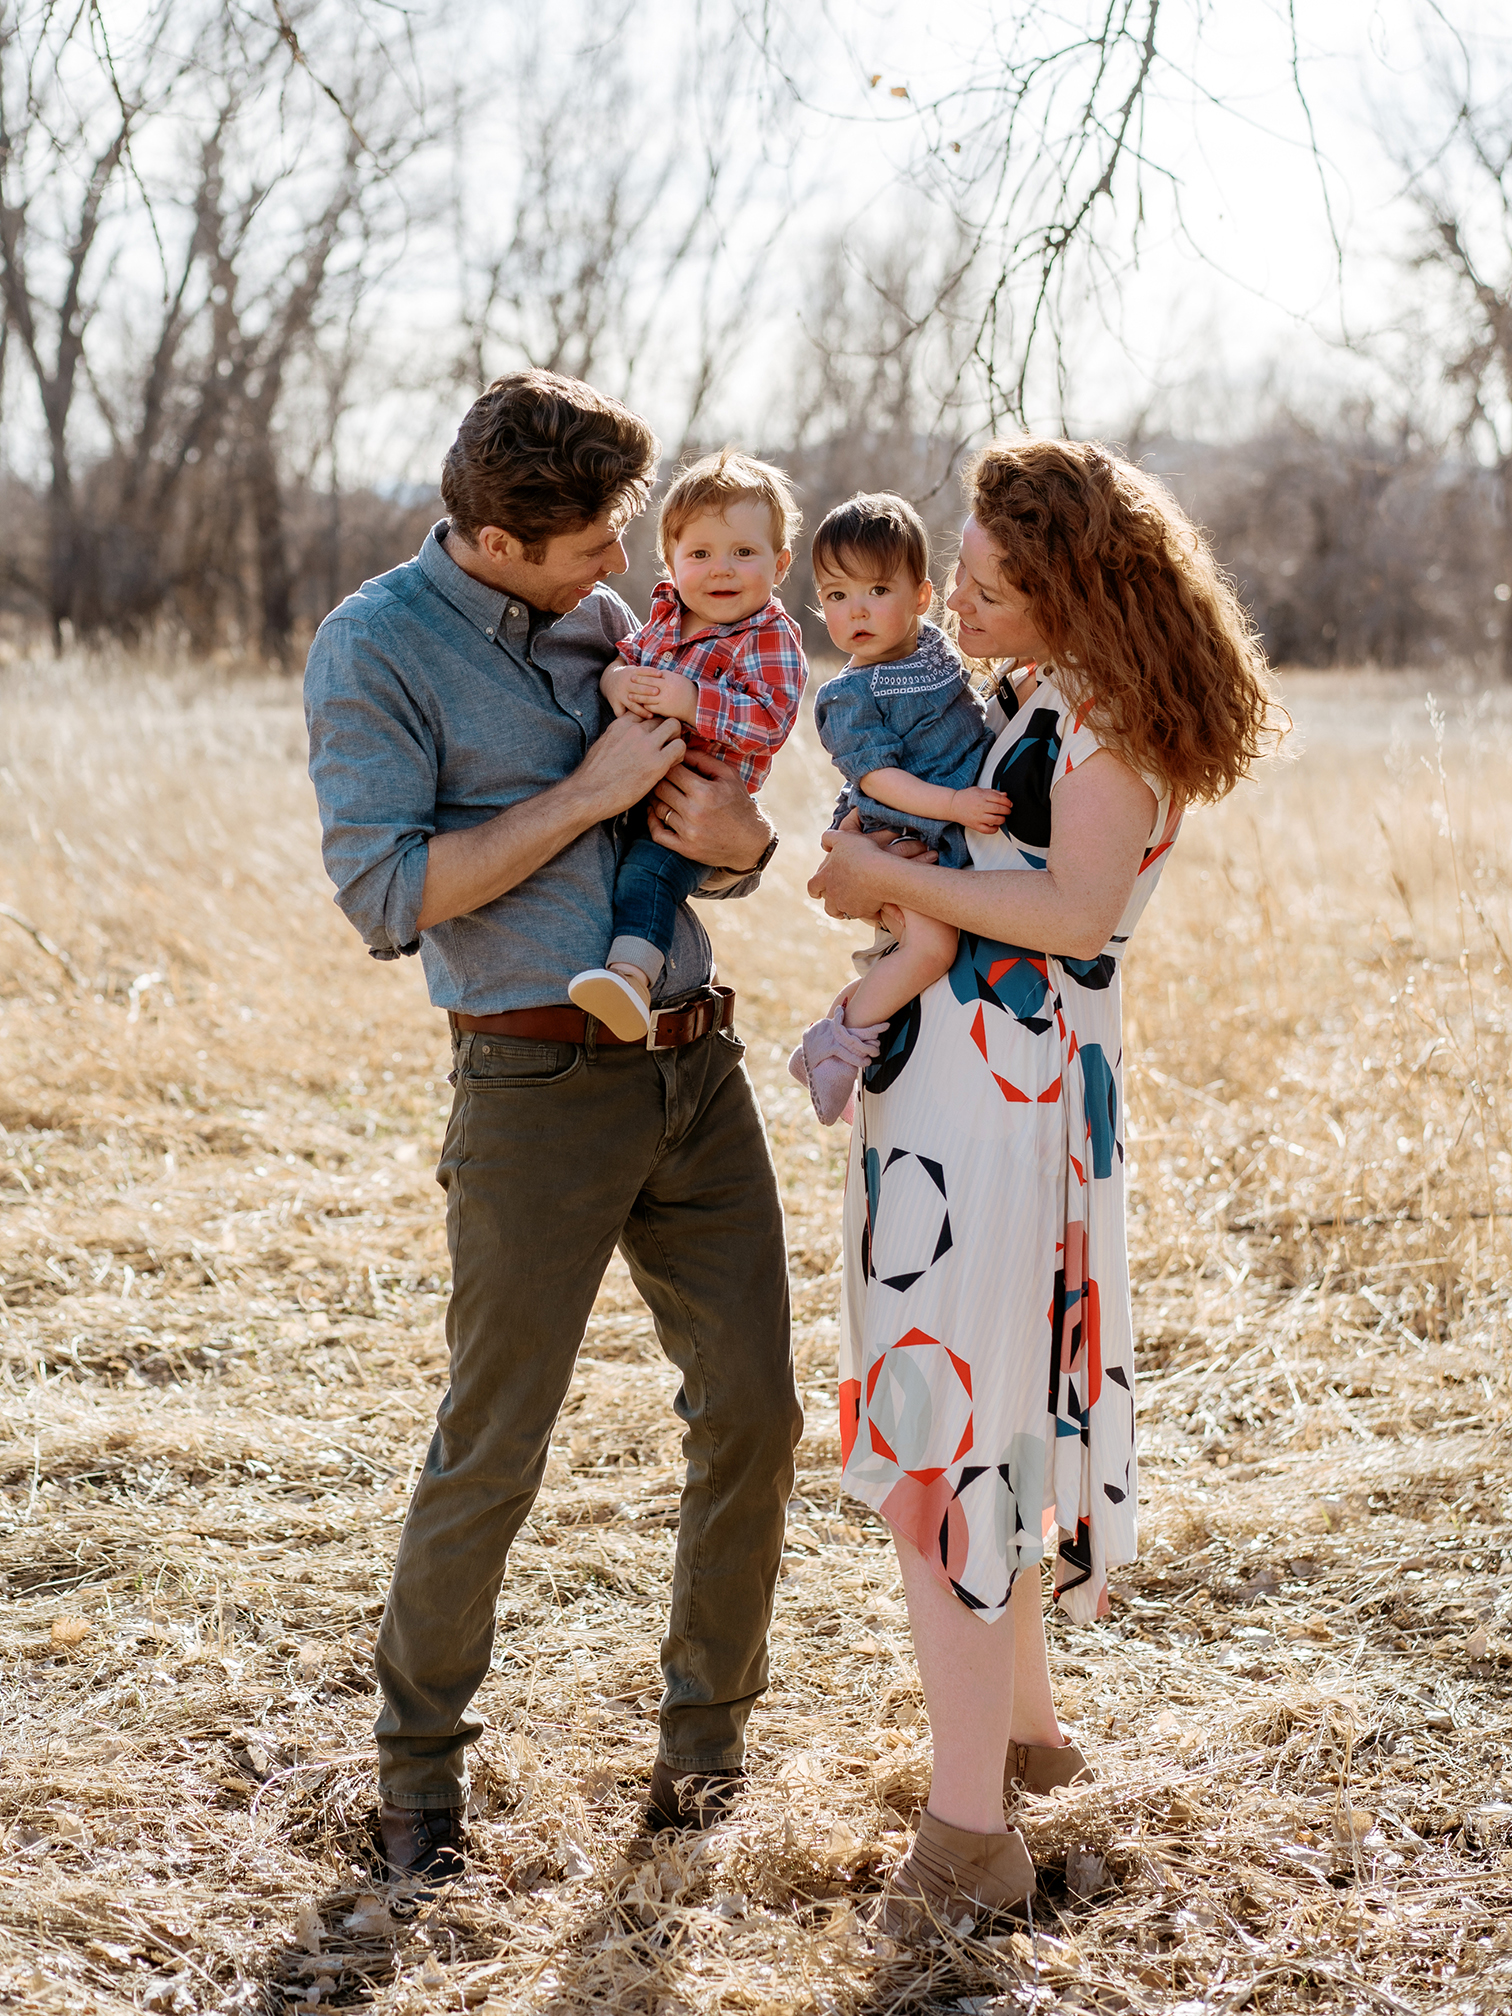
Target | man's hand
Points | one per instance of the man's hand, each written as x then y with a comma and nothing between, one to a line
615,687
471,867
665,693
979,809
702,810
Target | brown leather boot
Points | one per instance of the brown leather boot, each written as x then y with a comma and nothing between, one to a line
695,1799
960,1875
1040,1767
424,1844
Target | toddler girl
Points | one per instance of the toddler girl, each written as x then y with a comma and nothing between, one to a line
908,732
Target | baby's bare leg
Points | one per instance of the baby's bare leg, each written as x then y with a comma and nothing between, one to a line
926,951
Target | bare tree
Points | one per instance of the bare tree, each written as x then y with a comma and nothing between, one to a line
256,194
623,237
1044,155
1461,185
67,122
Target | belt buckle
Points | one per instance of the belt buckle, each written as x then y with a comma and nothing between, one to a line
654,1031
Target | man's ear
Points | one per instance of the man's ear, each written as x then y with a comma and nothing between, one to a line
784,561
498,546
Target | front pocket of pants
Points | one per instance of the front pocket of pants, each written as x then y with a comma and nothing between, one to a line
503,1064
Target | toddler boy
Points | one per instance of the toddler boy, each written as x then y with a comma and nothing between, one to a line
719,653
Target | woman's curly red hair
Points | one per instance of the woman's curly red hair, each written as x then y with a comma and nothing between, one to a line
1149,640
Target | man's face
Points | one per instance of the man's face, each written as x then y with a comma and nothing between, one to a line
571,565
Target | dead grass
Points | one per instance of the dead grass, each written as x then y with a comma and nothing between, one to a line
221,1279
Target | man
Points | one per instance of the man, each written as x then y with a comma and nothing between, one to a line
468,785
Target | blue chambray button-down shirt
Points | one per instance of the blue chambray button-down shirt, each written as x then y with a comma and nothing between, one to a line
434,702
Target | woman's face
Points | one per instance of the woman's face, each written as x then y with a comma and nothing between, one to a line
995,619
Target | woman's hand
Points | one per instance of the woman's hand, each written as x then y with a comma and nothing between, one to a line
841,882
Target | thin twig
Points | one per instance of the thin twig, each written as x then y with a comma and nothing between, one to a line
44,944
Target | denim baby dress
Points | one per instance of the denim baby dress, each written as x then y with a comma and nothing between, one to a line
918,714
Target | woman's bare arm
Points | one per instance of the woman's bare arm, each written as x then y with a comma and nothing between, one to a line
1103,814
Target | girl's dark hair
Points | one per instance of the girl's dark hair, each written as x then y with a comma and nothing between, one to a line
540,454
884,533
1148,640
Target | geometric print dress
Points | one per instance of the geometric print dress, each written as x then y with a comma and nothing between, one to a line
987,1348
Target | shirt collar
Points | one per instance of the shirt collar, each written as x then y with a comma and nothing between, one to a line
501,618
665,600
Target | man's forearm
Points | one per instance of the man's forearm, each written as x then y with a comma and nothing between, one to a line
467,869
464,870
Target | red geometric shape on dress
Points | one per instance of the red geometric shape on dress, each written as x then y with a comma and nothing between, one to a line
965,1442
1075,1046
917,1507
978,1034
1011,1092
850,1417
925,1476
915,1336
1081,1174
998,968
1092,1336
963,1369
879,1447
1051,1094
872,1377
1167,835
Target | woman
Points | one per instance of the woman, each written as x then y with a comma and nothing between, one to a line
986,1378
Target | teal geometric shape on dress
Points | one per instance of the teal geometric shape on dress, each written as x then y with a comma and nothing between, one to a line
1006,975
1101,1100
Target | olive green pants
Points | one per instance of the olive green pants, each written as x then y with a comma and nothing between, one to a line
554,1155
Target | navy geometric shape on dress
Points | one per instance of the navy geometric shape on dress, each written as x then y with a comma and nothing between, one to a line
898,1045
1026,773
1096,975
876,1176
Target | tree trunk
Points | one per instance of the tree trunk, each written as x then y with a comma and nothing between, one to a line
275,589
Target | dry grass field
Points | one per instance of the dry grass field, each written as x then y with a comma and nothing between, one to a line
221,1284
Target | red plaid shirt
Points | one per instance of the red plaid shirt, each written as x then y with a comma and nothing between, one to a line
750,677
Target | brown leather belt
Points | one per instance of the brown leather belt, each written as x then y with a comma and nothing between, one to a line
671,1027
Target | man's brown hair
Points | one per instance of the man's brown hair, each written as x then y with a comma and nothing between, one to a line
540,454
718,481
873,532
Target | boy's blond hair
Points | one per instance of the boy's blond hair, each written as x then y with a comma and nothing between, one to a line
714,483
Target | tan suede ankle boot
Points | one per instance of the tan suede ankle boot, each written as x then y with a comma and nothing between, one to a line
959,1875
1040,1767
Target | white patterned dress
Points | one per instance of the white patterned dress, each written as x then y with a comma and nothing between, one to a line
987,1350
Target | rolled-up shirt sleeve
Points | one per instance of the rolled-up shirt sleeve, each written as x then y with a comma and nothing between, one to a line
852,729
373,765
